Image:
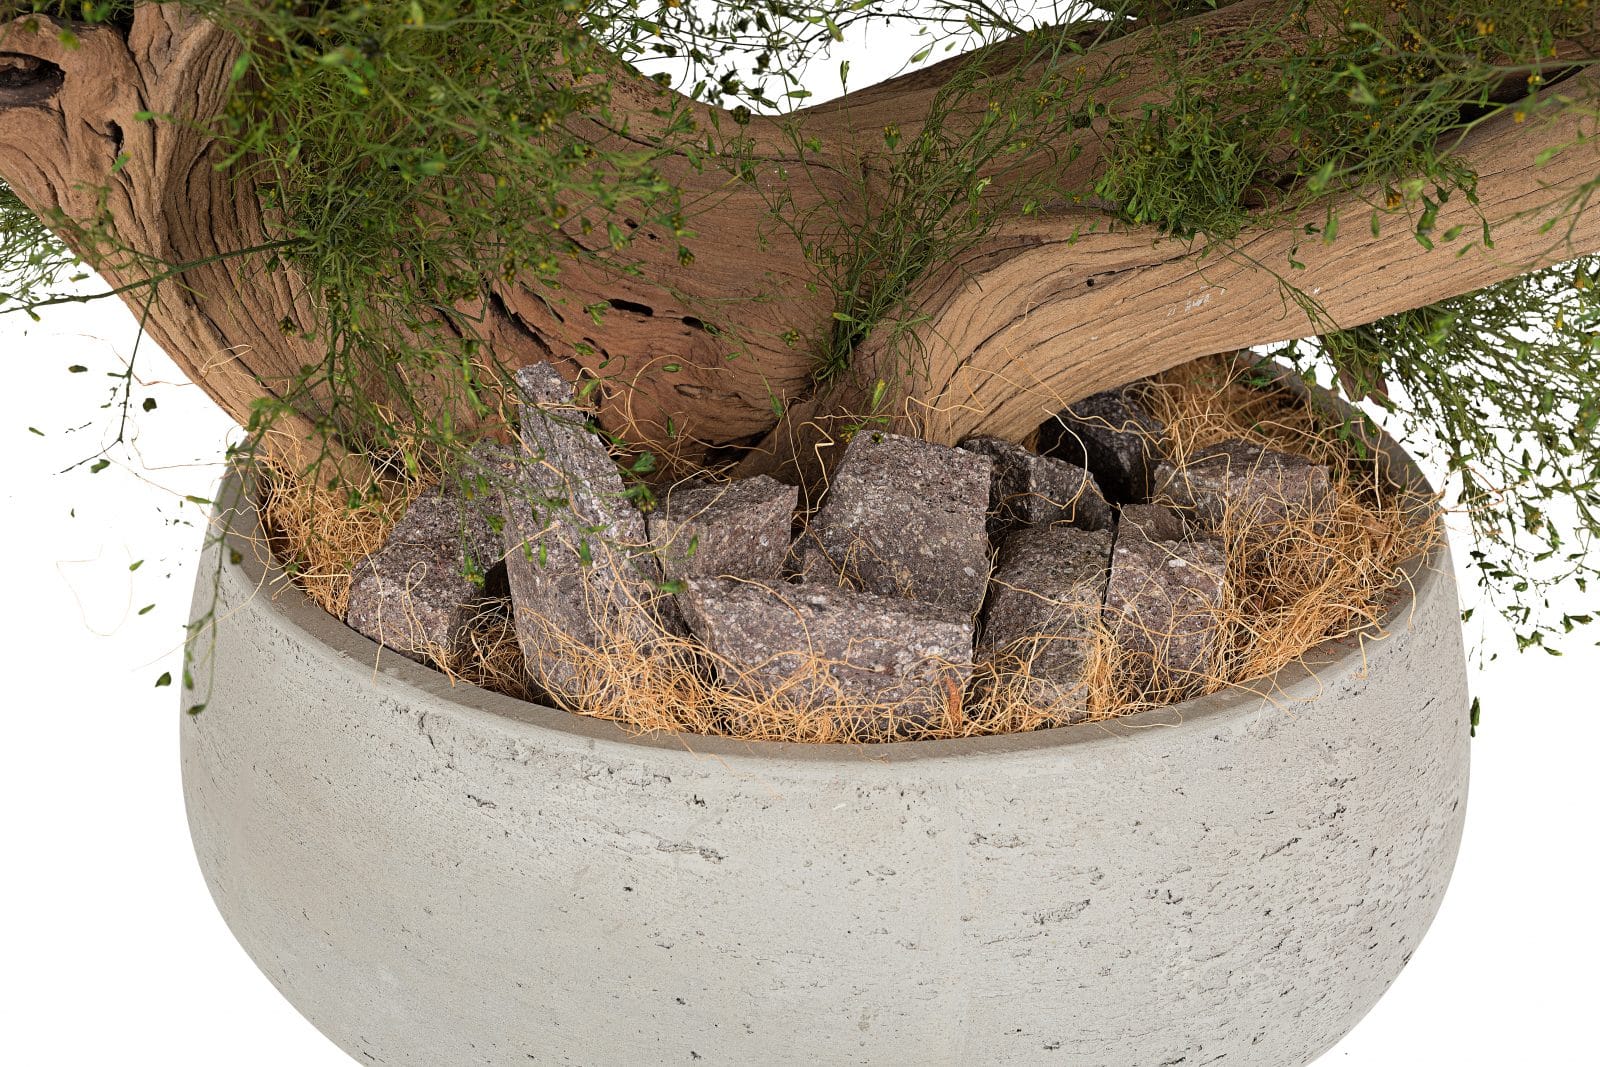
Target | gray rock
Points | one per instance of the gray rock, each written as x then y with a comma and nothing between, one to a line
413,595
707,529
874,664
905,518
1153,522
1113,436
571,538
1245,485
809,562
1033,490
489,470
735,529
1045,598
1164,605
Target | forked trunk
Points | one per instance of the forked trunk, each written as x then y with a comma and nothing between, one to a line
703,361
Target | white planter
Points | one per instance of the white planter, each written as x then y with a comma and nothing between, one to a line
442,876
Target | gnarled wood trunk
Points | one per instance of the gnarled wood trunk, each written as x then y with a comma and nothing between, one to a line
1043,310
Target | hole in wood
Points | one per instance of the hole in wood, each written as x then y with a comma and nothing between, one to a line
27,79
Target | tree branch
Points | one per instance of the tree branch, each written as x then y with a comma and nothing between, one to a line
1048,313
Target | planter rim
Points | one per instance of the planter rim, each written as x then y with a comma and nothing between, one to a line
1339,657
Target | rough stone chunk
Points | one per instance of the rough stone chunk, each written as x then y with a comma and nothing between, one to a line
1115,438
1045,597
481,485
870,662
708,529
905,518
570,538
735,529
1240,484
413,595
1033,490
1164,607
1153,522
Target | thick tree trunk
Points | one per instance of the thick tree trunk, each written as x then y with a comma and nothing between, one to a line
1043,311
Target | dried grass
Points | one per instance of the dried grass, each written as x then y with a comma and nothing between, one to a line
1291,586
1295,584
318,537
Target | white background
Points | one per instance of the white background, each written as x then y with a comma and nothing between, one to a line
113,953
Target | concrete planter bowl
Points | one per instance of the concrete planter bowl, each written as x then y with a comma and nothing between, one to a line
442,876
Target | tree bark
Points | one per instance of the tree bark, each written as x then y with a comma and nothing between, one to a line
1045,310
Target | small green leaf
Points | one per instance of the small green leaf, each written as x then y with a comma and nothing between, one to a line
149,403
76,368
164,680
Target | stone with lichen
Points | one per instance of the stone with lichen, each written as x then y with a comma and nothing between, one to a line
1239,485
1164,611
1114,437
702,529
904,518
875,666
1153,522
739,529
418,592
1028,489
575,544
1040,620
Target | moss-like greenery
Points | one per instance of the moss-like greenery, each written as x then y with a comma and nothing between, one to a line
1504,382
410,150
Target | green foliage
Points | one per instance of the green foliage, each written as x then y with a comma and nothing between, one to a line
1506,382
942,191
1350,95
410,155
754,52
34,264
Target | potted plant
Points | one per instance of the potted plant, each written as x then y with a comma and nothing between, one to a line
549,263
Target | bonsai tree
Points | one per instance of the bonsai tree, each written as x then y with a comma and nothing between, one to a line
350,222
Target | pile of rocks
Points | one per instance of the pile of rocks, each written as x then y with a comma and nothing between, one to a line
924,566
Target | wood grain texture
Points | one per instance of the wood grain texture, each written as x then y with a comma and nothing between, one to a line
1045,310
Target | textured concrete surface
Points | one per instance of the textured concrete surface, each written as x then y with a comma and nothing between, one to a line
441,877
